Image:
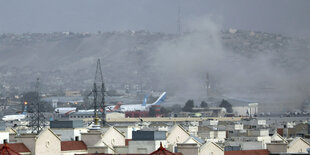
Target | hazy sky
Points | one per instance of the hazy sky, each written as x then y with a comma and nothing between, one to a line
281,16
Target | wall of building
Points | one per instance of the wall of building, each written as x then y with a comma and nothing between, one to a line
298,147
92,138
112,138
188,149
74,152
48,144
277,148
176,135
4,136
136,147
210,149
69,134
28,140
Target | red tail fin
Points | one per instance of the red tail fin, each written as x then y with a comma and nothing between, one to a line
117,106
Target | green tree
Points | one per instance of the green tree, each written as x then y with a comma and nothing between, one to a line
225,104
204,104
188,106
165,111
152,112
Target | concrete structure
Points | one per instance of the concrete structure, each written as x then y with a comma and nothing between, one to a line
68,130
277,147
4,135
73,148
146,141
177,134
211,148
8,149
47,142
103,141
188,149
210,122
298,145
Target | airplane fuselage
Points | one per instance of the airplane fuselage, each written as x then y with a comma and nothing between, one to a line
13,117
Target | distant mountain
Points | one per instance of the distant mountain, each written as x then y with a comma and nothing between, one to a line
157,61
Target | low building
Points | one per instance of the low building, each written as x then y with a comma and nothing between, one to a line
14,149
4,134
69,130
104,140
298,145
177,134
73,147
47,142
247,152
146,141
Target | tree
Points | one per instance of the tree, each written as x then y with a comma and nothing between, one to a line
204,104
164,111
152,112
188,106
225,104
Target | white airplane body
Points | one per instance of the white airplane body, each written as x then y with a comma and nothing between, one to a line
132,107
139,107
16,117
13,117
65,110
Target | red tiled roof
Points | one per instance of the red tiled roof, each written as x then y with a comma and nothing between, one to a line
73,145
162,151
247,152
17,147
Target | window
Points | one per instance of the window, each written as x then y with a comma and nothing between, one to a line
76,138
5,141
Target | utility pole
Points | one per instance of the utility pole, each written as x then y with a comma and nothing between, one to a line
99,91
38,120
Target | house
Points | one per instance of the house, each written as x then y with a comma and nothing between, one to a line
162,151
73,147
277,147
277,138
146,141
187,148
298,145
247,152
12,135
68,130
104,140
211,148
177,134
299,130
46,142
4,134
14,149
278,144
194,140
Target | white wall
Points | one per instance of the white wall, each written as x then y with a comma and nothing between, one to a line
69,134
4,135
137,147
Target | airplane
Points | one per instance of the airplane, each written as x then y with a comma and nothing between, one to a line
132,107
140,107
65,110
16,117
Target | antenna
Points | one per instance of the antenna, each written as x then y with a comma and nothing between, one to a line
38,120
99,91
